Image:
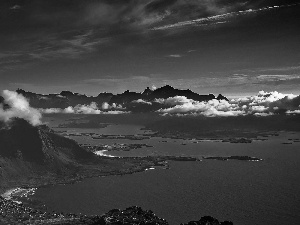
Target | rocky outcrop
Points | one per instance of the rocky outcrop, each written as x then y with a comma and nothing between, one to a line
133,215
16,213
221,97
238,140
147,92
208,220
242,158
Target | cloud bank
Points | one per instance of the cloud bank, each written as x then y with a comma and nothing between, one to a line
87,109
262,104
17,106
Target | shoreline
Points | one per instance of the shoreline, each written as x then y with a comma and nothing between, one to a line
140,164
15,205
14,209
18,198
18,192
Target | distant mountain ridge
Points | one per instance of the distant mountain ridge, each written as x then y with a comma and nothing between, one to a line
67,98
164,92
63,99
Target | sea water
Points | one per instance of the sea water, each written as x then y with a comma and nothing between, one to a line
264,192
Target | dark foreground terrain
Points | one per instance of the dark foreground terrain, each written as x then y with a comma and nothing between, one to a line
17,213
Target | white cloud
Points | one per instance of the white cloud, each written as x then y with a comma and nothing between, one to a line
177,100
217,19
15,7
278,77
153,87
106,106
114,112
293,112
268,102
175,56
142,102
262,104
188,106
86,109
51,110
18,108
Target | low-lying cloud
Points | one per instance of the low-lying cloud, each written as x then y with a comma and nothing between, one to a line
141,101
183,105
106,106
17,106
92,108
262,104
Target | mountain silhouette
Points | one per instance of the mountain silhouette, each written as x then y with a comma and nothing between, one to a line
127,99
28,153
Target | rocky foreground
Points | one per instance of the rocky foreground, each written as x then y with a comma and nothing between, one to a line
16,213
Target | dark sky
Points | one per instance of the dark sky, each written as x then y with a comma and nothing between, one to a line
234,47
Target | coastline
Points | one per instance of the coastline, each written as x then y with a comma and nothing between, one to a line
19,192
14,209
132,165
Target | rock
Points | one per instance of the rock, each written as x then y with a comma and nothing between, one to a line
243,158
14,213
208,220
221,97
238,140
132,215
